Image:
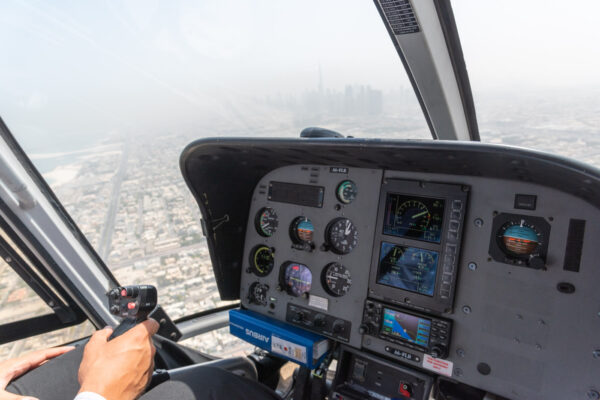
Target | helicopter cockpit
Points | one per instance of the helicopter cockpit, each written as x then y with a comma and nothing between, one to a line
329,264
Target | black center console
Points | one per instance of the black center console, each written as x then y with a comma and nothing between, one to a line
364,376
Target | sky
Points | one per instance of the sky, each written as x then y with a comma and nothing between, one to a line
75,66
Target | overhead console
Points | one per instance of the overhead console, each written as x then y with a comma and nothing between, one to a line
471,262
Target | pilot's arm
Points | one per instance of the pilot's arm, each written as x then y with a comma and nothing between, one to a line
115,370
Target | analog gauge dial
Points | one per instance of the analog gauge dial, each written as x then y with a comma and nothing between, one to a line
262,260
336,279
414,215
422,260
266,222
519,239
346,191
342,236
302,230
296,278
257,293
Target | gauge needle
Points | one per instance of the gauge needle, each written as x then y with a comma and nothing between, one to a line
347,231
419,214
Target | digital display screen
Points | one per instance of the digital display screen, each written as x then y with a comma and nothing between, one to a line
294,193
407,268
297,279
404,326
414,217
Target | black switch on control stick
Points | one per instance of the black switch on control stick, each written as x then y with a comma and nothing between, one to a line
133,304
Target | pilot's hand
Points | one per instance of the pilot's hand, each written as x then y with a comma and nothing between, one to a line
15,367
120,369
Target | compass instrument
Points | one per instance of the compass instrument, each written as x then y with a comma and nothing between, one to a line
296,278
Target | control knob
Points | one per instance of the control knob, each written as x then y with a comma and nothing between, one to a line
536,262
299,317
439,351
338,326
367,329
319,321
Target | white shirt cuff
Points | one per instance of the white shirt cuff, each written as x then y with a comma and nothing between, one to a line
89,396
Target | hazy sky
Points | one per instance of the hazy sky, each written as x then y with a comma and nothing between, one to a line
91,66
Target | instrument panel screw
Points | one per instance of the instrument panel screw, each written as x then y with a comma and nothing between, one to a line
596,353
478,222
458,372
466,309
8,259
460,352
593,395
472,266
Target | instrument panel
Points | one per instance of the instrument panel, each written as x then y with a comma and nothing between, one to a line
447,274
308,247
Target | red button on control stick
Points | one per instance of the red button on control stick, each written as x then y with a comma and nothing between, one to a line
130,306
124,293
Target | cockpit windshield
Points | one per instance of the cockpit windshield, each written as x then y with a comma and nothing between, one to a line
103,97
533,67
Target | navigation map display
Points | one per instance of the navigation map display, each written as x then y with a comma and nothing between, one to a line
405,326
407,268
414,217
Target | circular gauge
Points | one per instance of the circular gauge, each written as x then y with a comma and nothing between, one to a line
414,215
296,278
302,230
257,293
346,191
266,222
422,259
342,235
519,239
336,279
262,260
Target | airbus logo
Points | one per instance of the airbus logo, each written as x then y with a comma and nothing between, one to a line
256,335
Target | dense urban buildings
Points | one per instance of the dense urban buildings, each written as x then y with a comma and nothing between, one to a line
128,197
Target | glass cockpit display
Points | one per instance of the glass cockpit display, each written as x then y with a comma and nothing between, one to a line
408,268
414,217
406,327
296,278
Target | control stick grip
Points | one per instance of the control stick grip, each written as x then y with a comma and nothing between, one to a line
133,304
123,327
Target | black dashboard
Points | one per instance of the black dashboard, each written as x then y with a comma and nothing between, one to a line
459,260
